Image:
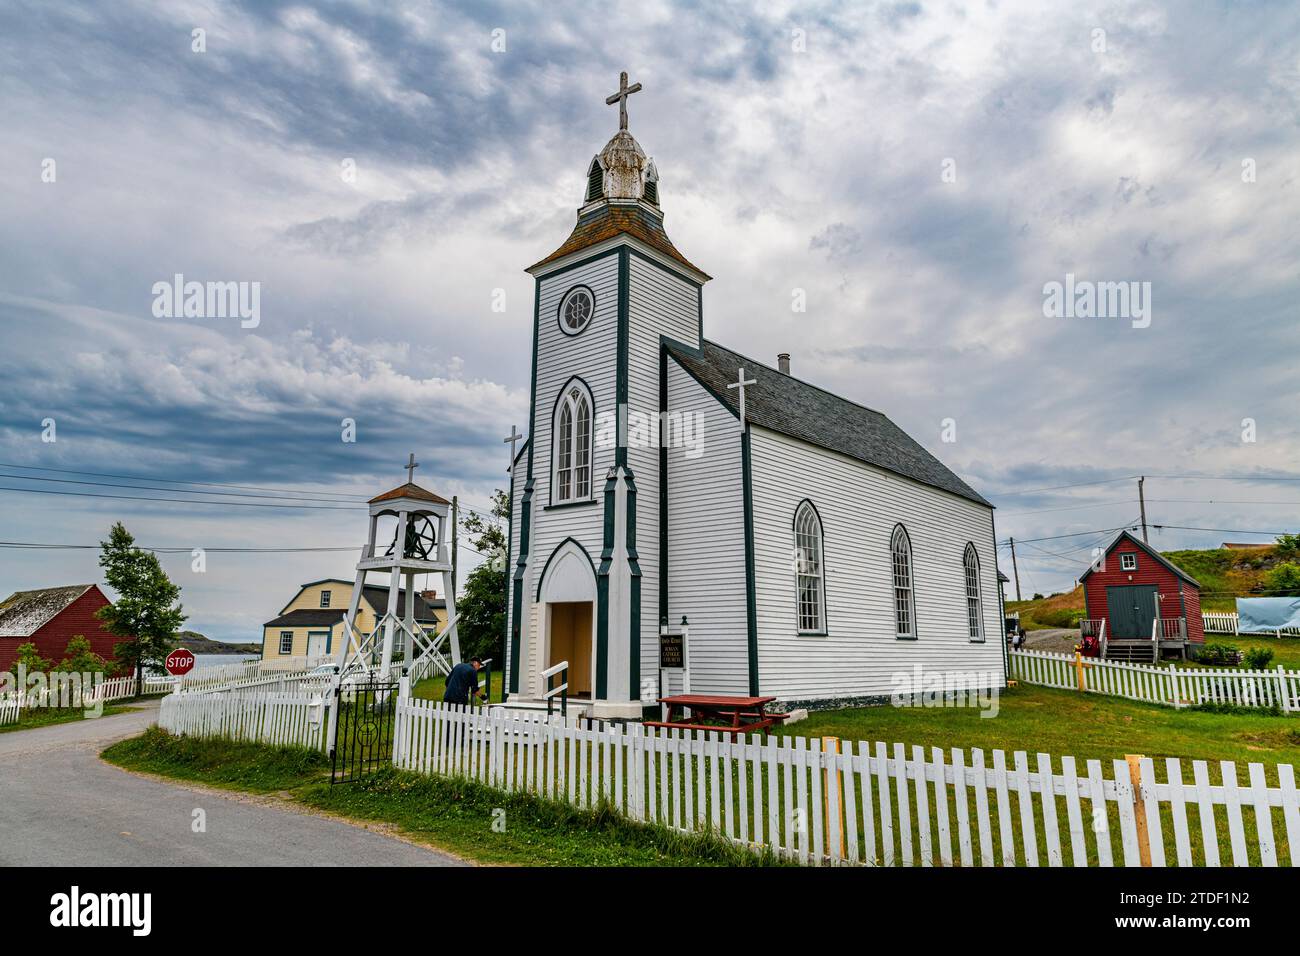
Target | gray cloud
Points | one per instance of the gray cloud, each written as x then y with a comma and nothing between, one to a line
818,170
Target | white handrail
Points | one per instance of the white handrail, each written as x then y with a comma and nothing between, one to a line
555,669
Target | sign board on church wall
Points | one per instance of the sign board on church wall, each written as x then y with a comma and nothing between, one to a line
670,651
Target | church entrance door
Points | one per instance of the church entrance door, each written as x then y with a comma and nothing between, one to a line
570,638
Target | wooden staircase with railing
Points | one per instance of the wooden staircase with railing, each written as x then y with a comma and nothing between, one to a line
1167,633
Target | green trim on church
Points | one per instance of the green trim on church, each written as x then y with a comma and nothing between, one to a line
751,587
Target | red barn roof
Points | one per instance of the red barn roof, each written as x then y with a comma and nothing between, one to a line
24,613
1146,548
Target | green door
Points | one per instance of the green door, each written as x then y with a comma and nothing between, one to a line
1131,609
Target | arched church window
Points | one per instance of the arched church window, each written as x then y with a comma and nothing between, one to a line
572,444
900,549
576,309
974,614
810,584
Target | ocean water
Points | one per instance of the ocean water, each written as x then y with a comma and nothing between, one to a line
208,660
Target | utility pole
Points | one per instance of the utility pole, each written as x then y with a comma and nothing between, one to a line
1015,570
455,536
1142,506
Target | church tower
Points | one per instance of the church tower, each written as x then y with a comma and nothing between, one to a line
585,548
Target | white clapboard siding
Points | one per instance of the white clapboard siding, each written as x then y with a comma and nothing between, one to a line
831,802
859,507
706,542
660,303
589,356
1161,683
277,719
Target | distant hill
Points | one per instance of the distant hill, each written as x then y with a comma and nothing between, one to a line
196,643
1223,574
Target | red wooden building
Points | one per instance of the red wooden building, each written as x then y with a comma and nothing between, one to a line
1140,604
49,618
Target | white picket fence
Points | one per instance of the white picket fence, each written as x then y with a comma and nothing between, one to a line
11,709
120,688
225,675
1227,623
301,682
282,719
838,802
1160,684
1219,623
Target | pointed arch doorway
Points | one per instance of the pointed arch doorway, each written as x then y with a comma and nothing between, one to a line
567,595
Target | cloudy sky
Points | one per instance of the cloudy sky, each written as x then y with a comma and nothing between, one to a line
919,170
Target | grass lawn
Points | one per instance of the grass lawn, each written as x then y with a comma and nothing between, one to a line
1085,726
45,716
1286,650
453,815
431,688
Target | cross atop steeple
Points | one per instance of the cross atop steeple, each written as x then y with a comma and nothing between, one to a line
411,465
624,91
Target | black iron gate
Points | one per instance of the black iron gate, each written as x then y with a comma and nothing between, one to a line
363,739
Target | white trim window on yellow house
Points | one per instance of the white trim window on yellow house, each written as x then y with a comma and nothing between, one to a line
311,625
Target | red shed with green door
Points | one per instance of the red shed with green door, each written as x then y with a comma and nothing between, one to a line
1139,604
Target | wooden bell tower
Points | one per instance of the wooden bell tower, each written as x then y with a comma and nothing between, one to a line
418,544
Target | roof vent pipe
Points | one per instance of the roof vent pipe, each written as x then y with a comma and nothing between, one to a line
783,363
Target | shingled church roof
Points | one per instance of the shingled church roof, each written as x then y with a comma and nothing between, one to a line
607,220
793,407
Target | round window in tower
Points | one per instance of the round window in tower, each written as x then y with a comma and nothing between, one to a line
576,309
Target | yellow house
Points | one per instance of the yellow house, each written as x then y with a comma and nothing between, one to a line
311,625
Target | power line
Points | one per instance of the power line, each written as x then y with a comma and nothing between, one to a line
1224,501
1099,504
1077,484
186,549
182,501
1077,534
1229,477
1183,527
37,546
179,491
177,481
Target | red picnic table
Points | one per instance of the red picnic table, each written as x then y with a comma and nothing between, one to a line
738,715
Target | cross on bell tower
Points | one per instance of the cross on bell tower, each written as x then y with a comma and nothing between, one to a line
624,91
411,465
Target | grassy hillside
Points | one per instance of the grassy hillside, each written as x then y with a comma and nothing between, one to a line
1221,573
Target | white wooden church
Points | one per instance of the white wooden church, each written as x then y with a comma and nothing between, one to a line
815,550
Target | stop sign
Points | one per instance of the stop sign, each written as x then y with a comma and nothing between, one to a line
179,662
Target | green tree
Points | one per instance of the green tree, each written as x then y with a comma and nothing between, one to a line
1288,545
482,606
78,658
1283,580
146,608
482,621
31,659
488,533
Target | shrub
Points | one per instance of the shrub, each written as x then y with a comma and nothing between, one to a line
28,656
1258,658
1219,655
1288,545
80,659
1283,580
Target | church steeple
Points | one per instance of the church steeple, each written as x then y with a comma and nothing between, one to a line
622,195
